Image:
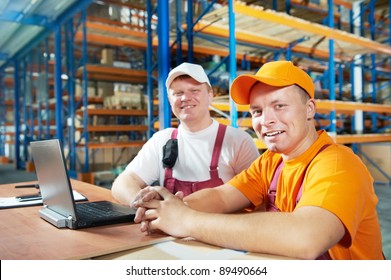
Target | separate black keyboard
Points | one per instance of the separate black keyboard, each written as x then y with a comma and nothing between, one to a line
98,209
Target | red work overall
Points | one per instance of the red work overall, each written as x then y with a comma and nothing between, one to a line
175,185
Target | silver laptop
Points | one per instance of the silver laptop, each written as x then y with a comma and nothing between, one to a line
59,207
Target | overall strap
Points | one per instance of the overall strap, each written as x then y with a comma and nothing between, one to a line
168,171
174,133
305,170
213,168
271,196
274,181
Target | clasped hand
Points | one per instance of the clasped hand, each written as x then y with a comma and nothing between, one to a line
157,208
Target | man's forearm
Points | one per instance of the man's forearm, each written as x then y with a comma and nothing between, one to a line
125,189
222,199
206,200
285,234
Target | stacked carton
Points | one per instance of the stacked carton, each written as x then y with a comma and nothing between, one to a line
125,97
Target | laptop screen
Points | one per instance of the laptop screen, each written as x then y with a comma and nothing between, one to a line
55,187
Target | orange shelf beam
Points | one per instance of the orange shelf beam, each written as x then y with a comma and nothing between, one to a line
352,106
114,74
115,30
347,139
115,112
314,28
110,145
115,23
363,138
116,128
252,39
114,41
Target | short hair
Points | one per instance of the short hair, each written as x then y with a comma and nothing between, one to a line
185,76
303,94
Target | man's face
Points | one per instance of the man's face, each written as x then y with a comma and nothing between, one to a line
282,118
190,100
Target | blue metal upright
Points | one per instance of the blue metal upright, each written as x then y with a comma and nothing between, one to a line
18,162
163,29
24,94
46,100
372,27
3,113
190,24
85,136
179,31
58,82
150,66
389,24
232,61
333,119
69,44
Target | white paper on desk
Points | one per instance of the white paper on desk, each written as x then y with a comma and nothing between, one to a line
181,251
12,202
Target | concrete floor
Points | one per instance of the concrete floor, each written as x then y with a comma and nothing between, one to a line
8,174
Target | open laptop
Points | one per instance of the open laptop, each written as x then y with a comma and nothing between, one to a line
59,207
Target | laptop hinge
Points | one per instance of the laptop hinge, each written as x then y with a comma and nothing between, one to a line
53,217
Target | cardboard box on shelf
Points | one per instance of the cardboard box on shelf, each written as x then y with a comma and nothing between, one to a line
124,100
107,57
380,155
98,10
9,150
91,90
121,64
9,116
105,89
107,159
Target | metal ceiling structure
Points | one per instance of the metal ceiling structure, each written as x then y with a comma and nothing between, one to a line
24,23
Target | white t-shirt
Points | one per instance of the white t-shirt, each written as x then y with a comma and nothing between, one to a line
195,154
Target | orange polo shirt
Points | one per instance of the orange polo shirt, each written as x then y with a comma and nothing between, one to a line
336,180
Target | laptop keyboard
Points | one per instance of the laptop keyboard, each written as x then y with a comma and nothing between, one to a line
97,209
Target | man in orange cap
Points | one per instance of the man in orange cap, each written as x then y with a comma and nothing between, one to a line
317,196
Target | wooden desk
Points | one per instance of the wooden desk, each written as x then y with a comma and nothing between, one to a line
187,249
24,235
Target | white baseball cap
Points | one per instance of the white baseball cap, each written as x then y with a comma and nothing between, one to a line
193,70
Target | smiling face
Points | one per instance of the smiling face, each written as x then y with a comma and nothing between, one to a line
190,102
283,118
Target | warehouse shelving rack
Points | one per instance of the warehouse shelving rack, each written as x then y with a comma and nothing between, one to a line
311,45
220,31
92,32
18,61
65,106
3,118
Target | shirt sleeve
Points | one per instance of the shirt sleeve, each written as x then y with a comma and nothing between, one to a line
147,163
246,151
339,182
254,181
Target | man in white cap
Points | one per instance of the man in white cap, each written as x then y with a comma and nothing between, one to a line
317,195
200,154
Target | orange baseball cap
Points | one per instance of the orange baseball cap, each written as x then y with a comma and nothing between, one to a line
276,73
